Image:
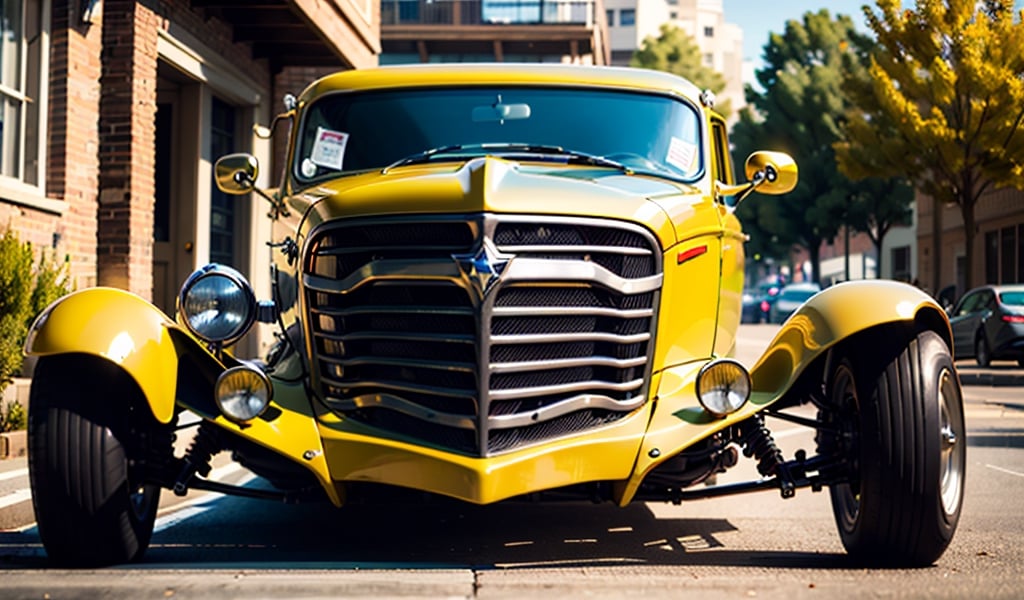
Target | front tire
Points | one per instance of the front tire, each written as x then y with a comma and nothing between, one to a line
902,428
92,506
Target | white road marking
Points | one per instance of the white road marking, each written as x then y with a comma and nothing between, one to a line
14,474
1002,470
17,497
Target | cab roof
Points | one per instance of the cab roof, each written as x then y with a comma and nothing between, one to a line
435,75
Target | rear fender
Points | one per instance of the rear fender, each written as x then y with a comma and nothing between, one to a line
122,328
825,320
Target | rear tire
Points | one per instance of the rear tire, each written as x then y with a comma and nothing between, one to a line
902,428
92,506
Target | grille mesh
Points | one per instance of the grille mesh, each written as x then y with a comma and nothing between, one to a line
404,343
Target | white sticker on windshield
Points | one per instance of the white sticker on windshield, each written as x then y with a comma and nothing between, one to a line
329,148
682,155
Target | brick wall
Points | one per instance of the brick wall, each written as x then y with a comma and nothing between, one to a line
127,130
71,165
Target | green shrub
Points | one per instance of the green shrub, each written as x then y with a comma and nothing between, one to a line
25,290
13,418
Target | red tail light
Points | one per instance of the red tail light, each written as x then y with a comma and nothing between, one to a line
765,307
1013,318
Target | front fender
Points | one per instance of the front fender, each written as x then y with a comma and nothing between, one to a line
118,326
835,314
826,319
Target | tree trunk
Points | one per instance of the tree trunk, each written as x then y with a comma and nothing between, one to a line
967,204
937,248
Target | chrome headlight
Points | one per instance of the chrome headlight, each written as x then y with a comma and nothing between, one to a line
242,393
217,304
723,386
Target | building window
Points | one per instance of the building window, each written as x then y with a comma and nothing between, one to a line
1008,255
24,69
609,16
627,16
901,263
992,257
673,15
709,59
224,124
709,32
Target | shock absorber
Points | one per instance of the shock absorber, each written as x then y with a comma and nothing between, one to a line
204,445
757,442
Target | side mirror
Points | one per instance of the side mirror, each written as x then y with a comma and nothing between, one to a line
771,172
236,173
767,172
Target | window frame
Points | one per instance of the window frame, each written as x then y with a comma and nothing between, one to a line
27,184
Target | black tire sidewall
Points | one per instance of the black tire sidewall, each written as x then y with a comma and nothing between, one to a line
82,492
900,518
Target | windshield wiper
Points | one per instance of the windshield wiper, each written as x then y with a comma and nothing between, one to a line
421,156
572,156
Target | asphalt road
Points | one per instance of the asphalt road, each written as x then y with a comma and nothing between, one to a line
756,545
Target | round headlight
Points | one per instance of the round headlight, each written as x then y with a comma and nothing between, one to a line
723,387
217,304
242,393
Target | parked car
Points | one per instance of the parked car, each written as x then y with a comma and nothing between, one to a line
495,282
751,312
988,324
790,298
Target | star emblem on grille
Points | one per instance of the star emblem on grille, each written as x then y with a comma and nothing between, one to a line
483,268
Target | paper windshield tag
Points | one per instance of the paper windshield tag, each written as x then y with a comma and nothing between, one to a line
329,148
681,155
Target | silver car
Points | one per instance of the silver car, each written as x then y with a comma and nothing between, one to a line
988,324
789,299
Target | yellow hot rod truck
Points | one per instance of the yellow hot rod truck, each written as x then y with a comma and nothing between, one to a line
493,282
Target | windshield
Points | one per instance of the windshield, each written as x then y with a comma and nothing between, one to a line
350,131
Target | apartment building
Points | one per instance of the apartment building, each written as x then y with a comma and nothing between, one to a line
721,42
561,31
115,110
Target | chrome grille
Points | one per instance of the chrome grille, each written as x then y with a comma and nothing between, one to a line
482,334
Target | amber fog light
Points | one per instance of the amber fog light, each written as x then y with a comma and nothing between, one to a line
242,393
723,387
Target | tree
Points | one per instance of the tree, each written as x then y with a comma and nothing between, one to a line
943,107
674,51
799,112
877,206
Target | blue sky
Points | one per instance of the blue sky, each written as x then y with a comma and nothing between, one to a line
758,18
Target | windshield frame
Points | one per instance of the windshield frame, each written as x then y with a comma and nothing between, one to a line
295,158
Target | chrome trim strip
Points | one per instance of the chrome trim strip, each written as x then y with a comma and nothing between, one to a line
560,311
567,248
379,335
393,310
539,269
422,270
579,386
564,407
540,338
403,406
418,389
586,361
460,367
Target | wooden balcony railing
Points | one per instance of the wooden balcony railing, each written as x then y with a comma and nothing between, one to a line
487,12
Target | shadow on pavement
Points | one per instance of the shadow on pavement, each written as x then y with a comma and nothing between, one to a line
444,534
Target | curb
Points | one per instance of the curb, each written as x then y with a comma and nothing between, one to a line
13,444
991,379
